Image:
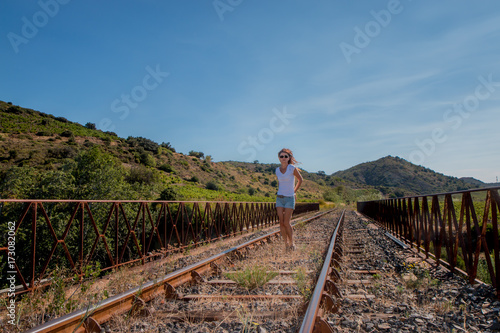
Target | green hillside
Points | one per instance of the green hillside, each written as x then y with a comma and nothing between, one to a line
43,156
47,157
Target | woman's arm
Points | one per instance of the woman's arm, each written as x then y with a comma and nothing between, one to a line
297,175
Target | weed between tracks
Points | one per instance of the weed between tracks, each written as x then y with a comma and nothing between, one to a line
252,277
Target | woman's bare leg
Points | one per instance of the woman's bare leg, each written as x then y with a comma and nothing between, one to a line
287,226
281,217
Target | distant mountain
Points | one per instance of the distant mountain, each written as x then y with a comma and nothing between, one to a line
477,183
473,181
395,176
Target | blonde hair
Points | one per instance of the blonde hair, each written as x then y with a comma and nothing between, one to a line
292,159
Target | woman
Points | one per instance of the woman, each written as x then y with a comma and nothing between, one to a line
285,200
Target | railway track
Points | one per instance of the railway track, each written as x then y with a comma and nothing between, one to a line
346,275
225,290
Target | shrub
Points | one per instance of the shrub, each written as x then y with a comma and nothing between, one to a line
140,174
169,194
194,179
147,159
67,134
71,141
212,186
61,152
330,195
43,133
13,154
167,168
62,119
15,110
147,144
205,167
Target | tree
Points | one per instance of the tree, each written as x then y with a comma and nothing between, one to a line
90,126
197,154
98,175
167,146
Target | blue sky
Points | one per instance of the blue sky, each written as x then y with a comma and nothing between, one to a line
338,82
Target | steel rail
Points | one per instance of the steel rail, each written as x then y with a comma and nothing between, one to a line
121,303
312,321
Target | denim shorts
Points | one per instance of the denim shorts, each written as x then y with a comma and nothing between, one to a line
286,202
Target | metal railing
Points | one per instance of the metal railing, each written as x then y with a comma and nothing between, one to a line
71,234
460,227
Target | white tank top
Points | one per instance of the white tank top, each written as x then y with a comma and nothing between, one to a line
286,181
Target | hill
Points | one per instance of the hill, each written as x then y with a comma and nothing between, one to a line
44,156
48,157
396,176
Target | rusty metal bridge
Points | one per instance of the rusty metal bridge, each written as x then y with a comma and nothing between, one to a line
70,234
458,229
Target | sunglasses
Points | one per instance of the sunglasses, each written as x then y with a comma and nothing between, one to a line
284,156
